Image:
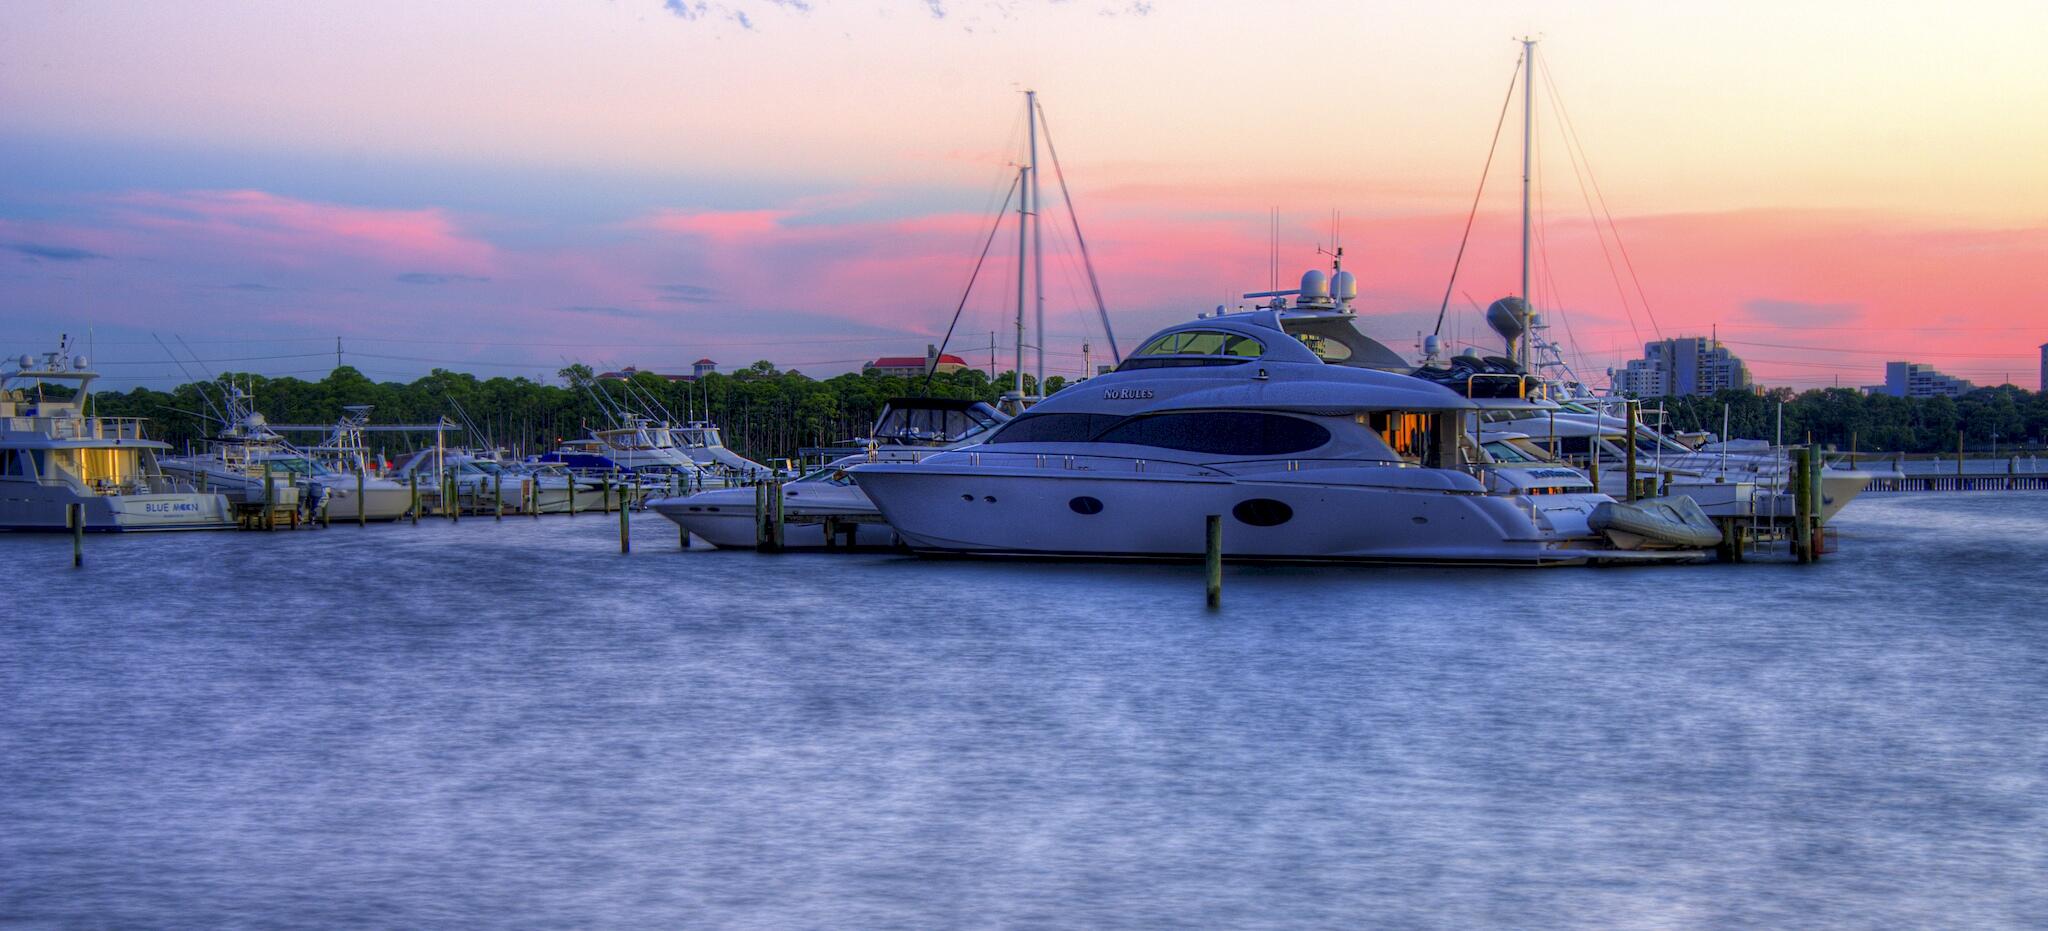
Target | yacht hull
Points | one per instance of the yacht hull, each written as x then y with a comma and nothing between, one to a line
42,508
1137,516
725,519
382,500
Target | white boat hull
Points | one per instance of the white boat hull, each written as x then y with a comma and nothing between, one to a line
34,507
1140,516
725,518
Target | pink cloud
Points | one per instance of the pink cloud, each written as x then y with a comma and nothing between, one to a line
261,225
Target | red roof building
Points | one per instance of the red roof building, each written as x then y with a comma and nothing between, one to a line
915,366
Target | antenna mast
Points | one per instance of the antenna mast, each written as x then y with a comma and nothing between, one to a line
1528,124
1023,199
1037,238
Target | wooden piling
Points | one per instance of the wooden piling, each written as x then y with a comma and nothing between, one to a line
768,536
1730,547
74,514
1628,446
572,495
451,498
498,492
362,519
625,531
269,497
1802,504
413,481
1212,560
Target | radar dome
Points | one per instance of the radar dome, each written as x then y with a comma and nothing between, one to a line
1344,286
1508,316
26,361
1314,284
78,362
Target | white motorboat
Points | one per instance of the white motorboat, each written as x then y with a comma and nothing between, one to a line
53,454
1667,467
1305,436
907,430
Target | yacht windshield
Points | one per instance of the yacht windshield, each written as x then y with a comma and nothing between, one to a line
1196,347
1336,341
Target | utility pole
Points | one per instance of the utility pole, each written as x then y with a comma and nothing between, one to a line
337,352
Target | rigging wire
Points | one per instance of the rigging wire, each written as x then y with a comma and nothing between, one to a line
971,277
1572,140
1082,241
1485,170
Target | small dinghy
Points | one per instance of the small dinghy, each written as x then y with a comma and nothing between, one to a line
1673,521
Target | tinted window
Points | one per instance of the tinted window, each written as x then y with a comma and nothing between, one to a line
1053,428
1221,433
1204,343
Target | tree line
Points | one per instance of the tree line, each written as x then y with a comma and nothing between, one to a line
770,414
765,413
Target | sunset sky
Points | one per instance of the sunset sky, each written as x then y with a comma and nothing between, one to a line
503,187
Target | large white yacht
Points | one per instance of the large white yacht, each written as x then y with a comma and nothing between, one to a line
54,454
1307,437
907,430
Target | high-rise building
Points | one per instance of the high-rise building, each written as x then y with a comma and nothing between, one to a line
1913,380
1687,365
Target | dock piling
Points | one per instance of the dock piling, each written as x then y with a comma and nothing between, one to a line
768,536
1802,503
625,531
1212,560
74,514
269,498
362,520
1628,445
413,481
498,492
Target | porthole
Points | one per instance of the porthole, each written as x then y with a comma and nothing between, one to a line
1085,505
989,498
1263,512
966,497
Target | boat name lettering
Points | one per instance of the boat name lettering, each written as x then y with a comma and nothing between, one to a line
1126,394
1554,473
166,507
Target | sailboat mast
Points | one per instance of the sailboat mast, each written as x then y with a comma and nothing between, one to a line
1023,195
1037,238
1528,124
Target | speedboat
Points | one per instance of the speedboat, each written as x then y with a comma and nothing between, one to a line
1306,438
54,455
907,430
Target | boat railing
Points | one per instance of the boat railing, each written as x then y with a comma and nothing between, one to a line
81,428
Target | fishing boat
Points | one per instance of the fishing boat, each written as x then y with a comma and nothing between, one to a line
54,455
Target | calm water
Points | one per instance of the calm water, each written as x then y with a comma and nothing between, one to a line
512,725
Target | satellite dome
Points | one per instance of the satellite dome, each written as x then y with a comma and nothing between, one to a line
1509,317
1344,286
26,361
78,362
1314,284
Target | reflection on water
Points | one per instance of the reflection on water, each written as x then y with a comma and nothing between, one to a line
514,725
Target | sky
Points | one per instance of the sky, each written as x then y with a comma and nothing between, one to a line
506,187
